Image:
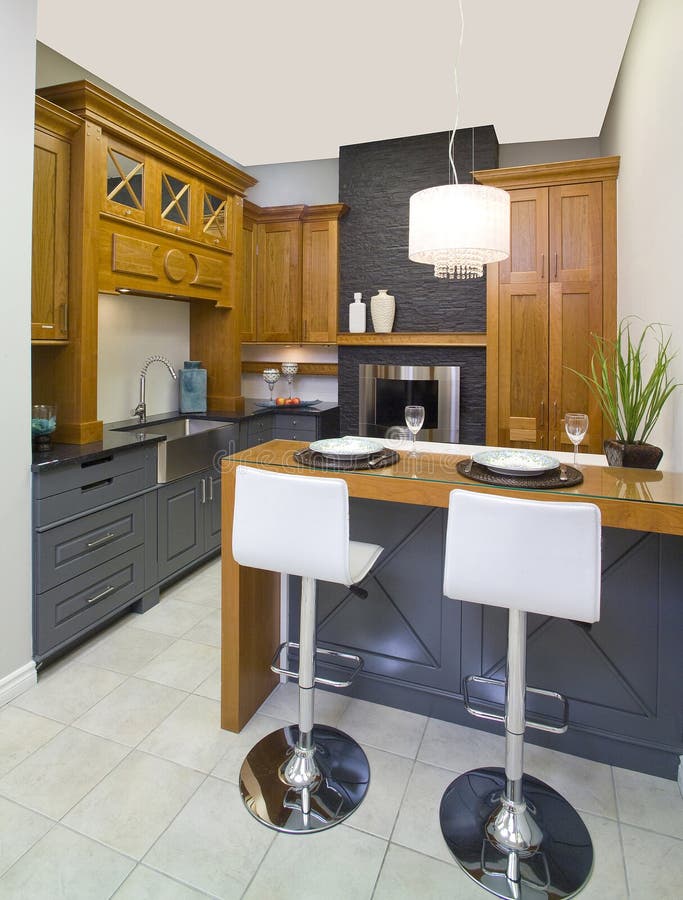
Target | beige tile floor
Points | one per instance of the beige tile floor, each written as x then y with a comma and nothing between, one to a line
117,781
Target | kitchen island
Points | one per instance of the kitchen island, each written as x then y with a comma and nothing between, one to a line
622,675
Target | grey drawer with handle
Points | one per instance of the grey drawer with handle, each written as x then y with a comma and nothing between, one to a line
74,606
296,428
58,479
98,486
260,430
69,550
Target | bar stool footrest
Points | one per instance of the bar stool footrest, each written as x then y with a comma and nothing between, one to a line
479,713
320,651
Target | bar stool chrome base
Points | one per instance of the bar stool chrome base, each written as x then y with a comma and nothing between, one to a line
343,781
558,868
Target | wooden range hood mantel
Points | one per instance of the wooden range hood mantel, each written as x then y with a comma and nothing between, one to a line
413,339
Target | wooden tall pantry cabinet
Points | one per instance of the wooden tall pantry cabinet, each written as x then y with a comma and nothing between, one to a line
557,287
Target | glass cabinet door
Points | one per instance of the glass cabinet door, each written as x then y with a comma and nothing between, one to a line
125,182
216,219
175,201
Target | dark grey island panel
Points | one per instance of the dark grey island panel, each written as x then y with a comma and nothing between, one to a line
623,675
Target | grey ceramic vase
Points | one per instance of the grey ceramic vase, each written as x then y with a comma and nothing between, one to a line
633,456
192,387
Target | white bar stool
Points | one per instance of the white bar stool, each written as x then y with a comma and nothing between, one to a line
305,777
511,833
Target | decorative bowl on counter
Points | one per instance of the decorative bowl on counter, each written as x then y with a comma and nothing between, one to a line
43,423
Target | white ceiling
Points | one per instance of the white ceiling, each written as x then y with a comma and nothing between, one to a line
268,81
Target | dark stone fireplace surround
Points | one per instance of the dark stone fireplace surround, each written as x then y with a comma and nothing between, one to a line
376,180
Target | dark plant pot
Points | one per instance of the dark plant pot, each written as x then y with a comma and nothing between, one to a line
636,456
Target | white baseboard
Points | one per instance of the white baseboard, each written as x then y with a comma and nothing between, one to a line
17,682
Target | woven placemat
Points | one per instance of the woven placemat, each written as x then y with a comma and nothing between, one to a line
315,460
565,476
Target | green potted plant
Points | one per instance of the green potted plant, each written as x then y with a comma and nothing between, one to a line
631,401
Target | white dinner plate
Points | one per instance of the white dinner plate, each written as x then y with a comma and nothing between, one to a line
516,462
340,448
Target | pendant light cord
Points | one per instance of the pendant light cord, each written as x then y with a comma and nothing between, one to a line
451,142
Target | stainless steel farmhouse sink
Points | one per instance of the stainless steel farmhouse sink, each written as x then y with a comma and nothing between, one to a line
190,446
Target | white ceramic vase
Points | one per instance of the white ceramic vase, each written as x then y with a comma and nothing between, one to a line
382,310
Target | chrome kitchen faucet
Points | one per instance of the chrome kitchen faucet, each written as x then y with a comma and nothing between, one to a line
141,409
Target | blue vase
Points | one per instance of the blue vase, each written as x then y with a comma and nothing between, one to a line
192,387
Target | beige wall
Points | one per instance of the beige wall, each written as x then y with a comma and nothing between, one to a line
17,56
644,125
131,329
537,152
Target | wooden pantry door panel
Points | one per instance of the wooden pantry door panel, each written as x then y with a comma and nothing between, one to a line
279,277
576,232
523,366
528,260
575,314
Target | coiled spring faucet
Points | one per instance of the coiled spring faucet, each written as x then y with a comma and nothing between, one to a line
141,409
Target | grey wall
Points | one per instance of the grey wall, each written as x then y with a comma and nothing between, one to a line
644,126
537,152
312,182
17,58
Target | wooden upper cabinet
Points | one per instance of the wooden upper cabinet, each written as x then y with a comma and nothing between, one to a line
290,273
51,229
528,260
575,216
523,376
278,282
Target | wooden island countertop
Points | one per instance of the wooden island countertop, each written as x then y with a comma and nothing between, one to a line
635,499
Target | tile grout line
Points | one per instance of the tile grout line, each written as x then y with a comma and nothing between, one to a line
400,807
621,837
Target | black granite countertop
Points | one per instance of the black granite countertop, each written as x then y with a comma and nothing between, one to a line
113,439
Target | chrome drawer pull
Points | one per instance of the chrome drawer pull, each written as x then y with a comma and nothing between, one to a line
102,595
210,480
103,540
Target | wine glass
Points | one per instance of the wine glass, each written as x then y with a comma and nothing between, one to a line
415,416
289,369
271,378
576,426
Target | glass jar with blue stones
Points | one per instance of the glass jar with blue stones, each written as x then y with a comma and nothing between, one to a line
192,387
43,423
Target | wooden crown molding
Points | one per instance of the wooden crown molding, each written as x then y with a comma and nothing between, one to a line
570,172
323,212
55,119
134,127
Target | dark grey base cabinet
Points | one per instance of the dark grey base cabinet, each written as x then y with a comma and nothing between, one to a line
92,525
289,426
189,521
107,536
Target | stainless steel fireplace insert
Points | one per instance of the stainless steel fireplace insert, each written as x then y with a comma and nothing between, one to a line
385,391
